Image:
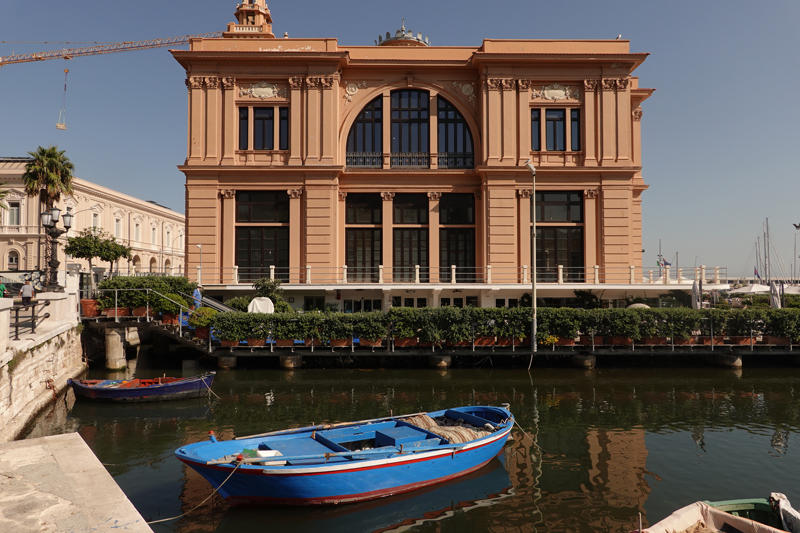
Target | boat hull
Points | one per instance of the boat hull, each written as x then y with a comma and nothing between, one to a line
347,481
176,390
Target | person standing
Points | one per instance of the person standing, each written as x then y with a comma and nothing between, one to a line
26,293
3,290
197,296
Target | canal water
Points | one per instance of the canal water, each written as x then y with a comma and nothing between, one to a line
599,446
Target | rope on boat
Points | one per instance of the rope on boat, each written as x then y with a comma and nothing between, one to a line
529,438
210,392
201,503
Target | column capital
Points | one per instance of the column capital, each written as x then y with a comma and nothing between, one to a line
524,193
227,193
342,195
228,82
591,193
387,196
296,82
434,195
295,193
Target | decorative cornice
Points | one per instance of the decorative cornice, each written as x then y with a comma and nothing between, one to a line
591,193
387,196
590,85
342,195
637,113
524,193
295,193
227,193
228,82
212,82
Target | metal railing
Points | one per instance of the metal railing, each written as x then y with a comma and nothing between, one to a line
456,160
30,321
410,160
364,160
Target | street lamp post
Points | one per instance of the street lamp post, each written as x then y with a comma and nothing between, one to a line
49,221
532,169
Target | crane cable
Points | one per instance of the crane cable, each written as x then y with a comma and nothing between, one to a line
62,115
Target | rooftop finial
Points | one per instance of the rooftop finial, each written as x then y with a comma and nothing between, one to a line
403,38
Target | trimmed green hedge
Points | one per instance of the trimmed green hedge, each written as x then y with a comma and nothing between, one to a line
452,324
140,298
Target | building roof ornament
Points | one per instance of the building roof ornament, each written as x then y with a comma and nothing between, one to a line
403,37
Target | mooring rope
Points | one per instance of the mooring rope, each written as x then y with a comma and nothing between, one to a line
210,392
201,503
529,438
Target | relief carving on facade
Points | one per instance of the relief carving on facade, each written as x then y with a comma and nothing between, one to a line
493,84
263,90
212,82
342,195
327,82
227,193
195,82
351,89
296,82
524,85
590,194
507,84
387,196
434,195
314,83
637,113
609,84
623,83
590,85
295,193
467,89
228,82
525,193
556,92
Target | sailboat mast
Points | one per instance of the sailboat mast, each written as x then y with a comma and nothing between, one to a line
758,257
767,265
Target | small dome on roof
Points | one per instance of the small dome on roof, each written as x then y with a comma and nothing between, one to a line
403,38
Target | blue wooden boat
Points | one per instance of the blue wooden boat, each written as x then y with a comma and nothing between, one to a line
351,462
143,390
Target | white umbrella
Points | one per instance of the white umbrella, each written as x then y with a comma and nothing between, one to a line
638,306
261,305
774,296
791,289
750,289
696,297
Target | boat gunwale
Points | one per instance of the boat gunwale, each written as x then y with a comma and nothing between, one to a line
177,382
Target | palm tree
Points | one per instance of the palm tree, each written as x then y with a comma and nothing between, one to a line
49,176
3,194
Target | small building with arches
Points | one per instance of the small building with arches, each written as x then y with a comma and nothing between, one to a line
370,176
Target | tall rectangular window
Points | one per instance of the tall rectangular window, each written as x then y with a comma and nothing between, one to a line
457,208
263,128
575,126
363,208
137,233
410,208
283,128
95,220
262,206
556,133
244,128
457,247
363,253
153,235
410,250
117,228
536,136
13,213
258,248
559,207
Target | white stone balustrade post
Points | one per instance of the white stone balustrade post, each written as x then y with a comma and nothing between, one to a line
308,274
525,275
560,274
716,275
651,276
380,274
344,274
488,273
666,275
272,272
597,274
416,274
633,274
235,274
199,275
453,274
703,273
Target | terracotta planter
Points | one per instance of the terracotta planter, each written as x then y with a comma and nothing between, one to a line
229,344
526,341
140,311
565,342
340,343
484,340
284,343
117,311
169,318
368,343
705,340
586,340
89,308
405,342
425,344
777,341
653,341
680,341
315,341
256,342
459,343
202,333
619,340
740,340
508,341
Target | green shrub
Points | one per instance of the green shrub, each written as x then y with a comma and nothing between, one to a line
619,323
337,326
239,303
405,321
231,326
202,317
784,323
170,304
744,322
287,326
369,326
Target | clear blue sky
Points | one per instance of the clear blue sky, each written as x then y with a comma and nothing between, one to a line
719,134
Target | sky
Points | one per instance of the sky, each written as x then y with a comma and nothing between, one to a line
718,135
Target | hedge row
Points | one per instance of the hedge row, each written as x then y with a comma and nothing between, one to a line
453,324
169,286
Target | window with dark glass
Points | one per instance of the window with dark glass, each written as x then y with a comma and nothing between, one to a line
500,302
457,208
397,301
262,206
263,128
283,128
410,128
455,138
457,247
444,302
362,253
410,250
472,301
575,126
244,128
363,208
559,207
410,208
258,248
365,140
314,303
536,132
555,127
559,246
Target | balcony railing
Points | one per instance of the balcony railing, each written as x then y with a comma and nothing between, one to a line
456,160
487,275
410,160
364,160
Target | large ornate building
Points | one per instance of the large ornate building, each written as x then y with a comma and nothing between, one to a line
394,174
154,232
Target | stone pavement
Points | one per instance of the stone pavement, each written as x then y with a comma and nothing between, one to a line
56,484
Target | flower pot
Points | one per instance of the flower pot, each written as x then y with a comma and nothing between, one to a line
620,340
89,308
340,343
653,341
315,341
777,341
169,318
229,344
680,341
484,340
140,311
458,343
368,343
705,340
284,343
586,340
508,341
117,311
740,340
565,342
202,333
404,342
256,342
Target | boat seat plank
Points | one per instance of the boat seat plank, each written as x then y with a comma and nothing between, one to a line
402,435
304,446
476,421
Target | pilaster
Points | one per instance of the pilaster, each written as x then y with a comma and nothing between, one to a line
227,235
524,227
230,117
313,124
524,122
196,119
433,235
510,120
213,116
296,121
623,120
330,113
590,119
608,121
386,236
295,234
494,118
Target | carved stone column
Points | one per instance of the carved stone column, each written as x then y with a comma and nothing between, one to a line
196,123
433,236
524,123
608,118
591,252
623,112
313,121
590,121
330,113
510,120
524,227
495,120
295,234
227,235
296,128
230,116
387,236
213,118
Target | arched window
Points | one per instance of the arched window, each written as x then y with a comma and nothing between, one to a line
13,260
410,129
365,140
455,140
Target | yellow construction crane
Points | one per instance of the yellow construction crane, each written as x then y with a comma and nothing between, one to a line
69,53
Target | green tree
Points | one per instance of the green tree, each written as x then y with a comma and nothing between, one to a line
94,242
3,194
